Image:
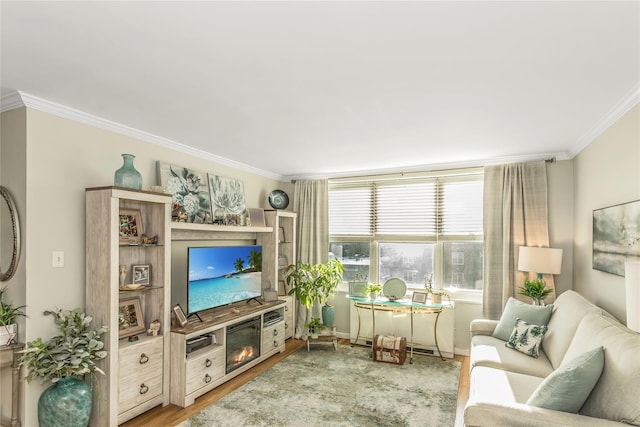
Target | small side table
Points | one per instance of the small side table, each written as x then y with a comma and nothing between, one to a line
15,381
325,336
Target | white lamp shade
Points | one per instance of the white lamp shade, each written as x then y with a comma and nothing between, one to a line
632,286
540,260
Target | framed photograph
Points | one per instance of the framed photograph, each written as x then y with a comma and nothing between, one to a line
616,237
180,317
256,217
131,230
419,297
130,318
141,274
282,291
356,289
281,236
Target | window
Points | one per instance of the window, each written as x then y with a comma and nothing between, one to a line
409,226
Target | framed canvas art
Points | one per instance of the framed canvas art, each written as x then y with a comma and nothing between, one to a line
189,190
227,199
616,237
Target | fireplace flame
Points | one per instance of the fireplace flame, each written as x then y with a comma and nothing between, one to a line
243,353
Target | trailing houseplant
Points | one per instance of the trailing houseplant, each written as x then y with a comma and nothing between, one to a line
536,290
64,360
8,317
315,282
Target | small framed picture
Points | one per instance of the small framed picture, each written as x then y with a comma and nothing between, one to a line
141,274
180,317
130,222
281,237
256,217
356,289
419,297
130,318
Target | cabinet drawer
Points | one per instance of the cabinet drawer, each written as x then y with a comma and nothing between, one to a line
140,373
273,337
204,369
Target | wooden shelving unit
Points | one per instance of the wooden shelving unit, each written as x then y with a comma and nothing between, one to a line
136,373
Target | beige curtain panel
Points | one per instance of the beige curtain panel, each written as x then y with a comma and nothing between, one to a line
311,202
515,214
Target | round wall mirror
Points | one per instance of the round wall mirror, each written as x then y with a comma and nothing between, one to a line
9,235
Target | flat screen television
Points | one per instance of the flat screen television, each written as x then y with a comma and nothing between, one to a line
221,275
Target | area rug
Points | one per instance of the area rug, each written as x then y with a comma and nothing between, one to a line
325,387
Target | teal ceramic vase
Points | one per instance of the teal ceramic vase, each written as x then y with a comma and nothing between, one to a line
328,315
127,176
66,403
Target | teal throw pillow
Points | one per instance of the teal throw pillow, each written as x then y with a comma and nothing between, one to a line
532,314
526,338
568,387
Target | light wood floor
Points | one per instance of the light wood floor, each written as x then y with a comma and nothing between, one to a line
171,415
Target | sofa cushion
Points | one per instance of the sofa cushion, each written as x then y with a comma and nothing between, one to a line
535,314
568,387
568,309
526,338
491,352
615,396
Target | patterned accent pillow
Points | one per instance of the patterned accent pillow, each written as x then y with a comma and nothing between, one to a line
526,338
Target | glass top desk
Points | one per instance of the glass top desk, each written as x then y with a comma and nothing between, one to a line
399,306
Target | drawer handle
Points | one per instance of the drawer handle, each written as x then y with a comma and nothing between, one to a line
286,308
286,325
143,388
275,332
143,359
207,378
208,363
275,343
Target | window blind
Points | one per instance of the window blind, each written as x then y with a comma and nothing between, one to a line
433,206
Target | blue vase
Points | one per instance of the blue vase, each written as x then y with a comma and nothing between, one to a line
328,315
66,403
127,176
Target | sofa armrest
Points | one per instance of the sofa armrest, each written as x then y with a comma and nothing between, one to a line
482,327
477,414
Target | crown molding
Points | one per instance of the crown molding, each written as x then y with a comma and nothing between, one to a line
630,100
21,99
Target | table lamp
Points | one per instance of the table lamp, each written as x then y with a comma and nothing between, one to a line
540,260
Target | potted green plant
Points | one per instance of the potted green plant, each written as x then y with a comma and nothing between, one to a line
64,360
372,289
437,294
536,290
315,282
315,325
8,317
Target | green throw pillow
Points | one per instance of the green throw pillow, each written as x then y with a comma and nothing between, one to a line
568,387
533,314
526,338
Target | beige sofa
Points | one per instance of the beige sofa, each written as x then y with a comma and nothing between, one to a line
503,379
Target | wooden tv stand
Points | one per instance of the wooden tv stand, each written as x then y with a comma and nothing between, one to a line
203,369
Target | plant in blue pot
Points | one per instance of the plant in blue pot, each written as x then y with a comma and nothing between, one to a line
315,282
64,360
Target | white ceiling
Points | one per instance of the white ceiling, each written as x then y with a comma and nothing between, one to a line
310,89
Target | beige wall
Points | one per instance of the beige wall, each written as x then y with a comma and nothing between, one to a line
60,158
606,173
560,182
13,177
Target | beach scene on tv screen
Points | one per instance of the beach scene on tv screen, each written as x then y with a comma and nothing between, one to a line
223,275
